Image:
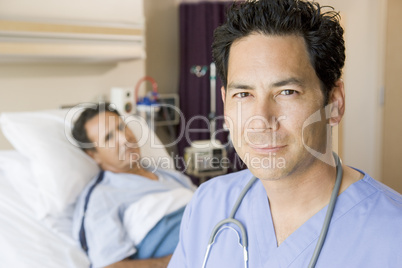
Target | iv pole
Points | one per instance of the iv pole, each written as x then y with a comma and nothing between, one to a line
212,114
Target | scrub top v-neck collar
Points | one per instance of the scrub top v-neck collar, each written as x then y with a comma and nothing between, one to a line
304,237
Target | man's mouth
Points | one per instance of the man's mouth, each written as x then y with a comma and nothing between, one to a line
264,148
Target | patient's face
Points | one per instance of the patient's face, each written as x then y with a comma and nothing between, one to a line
116,145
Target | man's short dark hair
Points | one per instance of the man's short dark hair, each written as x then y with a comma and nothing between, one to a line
321,31
79,132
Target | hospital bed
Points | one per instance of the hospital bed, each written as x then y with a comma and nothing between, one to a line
40,181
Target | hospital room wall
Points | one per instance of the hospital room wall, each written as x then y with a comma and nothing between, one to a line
28,87
162,41
392,142
33,86
40,85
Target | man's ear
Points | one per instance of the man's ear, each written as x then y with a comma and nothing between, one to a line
337,103
223,94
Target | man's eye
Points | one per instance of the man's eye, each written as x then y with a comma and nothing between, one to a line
108,136
288,92
242,95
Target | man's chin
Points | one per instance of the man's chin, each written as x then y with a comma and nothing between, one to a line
266,174
267,168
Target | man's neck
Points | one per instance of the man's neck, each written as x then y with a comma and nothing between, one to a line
296,198
301,190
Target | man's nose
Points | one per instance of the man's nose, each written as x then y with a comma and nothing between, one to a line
121,138
264,116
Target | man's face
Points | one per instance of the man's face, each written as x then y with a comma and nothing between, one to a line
116,146
272,89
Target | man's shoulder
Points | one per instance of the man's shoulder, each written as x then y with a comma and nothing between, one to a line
371,205
382,201
374,191
383,190
96,189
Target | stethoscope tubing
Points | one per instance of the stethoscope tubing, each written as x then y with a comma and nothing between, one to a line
231,219
244,238
330,211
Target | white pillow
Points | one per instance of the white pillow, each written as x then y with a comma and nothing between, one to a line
17,169
60,169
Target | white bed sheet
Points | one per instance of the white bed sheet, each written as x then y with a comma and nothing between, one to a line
26,242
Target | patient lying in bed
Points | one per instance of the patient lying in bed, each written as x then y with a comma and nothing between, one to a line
127,214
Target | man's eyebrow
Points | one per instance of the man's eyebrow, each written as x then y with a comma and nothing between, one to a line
289,81
281,83
236,85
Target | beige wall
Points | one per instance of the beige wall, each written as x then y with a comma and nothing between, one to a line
124,11
392,153
28,87
162,42
37,86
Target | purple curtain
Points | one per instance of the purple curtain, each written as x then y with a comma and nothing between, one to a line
197,24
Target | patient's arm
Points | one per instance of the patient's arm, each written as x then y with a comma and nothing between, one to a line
146,263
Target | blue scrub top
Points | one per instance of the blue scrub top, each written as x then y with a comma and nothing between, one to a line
366,228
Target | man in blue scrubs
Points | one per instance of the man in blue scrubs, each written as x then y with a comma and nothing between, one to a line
280,63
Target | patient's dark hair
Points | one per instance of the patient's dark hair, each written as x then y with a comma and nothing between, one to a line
321,31
79,132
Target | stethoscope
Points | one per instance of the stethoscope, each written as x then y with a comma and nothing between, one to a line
220,226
